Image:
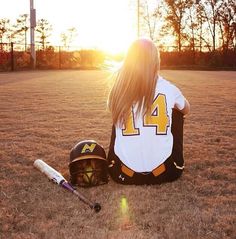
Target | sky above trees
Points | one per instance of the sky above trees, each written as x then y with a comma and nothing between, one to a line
98,23
111,25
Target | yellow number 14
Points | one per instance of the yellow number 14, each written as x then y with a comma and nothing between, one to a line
157,117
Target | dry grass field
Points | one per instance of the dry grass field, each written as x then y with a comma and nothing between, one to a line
44,113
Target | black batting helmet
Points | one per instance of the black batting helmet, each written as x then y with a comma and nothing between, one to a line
88,165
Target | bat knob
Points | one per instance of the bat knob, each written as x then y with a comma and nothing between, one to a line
97,207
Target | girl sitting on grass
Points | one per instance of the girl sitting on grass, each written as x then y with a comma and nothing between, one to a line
147,113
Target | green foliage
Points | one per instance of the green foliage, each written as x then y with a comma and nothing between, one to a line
60,59
91,58
22,60
189,59
43,30
4,60
47,59
4,27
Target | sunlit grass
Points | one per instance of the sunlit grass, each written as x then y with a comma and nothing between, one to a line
44,113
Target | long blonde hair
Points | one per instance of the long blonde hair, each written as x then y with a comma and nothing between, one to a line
135,82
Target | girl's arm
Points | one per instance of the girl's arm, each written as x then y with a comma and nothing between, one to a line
186,108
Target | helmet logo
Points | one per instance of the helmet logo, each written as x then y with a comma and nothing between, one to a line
88,148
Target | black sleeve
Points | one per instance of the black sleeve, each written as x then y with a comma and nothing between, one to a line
112,143
177,131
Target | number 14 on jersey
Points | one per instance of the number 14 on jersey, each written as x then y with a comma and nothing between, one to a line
156,118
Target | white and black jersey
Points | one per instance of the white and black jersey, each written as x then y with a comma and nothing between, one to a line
146,141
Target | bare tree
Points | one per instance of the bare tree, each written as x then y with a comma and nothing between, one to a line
44,29
64,39
68,37
211,9
193,25
200,22
227,24
21,28
72,34
176,18
4,28
151,15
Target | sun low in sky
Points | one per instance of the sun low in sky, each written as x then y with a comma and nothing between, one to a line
105,24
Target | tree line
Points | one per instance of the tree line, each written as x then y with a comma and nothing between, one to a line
190,33
18,32
203,25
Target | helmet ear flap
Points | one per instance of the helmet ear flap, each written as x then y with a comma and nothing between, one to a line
88,165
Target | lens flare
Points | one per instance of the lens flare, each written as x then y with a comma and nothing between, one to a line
124,205
125,221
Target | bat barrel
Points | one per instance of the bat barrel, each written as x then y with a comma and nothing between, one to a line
50,172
